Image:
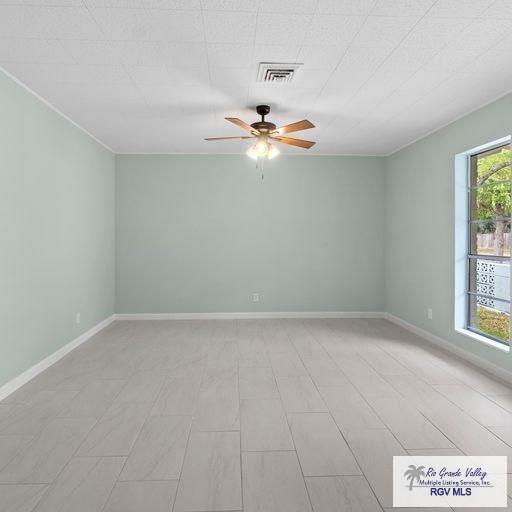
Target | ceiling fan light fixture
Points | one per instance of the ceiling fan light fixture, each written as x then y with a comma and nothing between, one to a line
272,152
261,148
252,153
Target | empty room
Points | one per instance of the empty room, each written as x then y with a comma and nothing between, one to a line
255,255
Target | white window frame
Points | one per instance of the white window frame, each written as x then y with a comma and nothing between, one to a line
462,249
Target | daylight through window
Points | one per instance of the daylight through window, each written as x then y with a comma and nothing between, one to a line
488,298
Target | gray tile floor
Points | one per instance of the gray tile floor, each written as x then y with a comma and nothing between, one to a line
232,415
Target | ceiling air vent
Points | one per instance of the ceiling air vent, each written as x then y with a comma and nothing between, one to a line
275,72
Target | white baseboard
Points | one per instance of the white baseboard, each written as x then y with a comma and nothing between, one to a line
249,315
485,365
35,370
29,374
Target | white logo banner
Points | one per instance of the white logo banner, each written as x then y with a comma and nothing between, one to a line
437,481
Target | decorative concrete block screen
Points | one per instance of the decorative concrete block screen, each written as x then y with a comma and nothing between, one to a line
493,279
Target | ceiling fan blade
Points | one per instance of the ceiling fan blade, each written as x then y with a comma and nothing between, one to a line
241,124
295,142
295,127
227,138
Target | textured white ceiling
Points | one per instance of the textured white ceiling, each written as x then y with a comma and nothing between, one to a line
160,75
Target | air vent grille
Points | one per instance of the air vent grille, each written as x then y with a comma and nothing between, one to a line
277,73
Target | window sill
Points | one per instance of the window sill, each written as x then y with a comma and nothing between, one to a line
483,339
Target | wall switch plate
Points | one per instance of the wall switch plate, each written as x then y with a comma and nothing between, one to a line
429,313
255,297
78,318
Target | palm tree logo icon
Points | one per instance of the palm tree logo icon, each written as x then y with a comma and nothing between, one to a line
414,473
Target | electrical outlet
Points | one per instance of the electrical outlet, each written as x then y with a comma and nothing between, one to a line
255,297
78,318
429,313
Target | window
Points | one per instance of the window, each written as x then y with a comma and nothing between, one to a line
488,247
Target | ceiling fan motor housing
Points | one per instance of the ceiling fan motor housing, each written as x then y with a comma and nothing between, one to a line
263,126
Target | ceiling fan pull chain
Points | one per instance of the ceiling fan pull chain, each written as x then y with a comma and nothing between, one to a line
259,166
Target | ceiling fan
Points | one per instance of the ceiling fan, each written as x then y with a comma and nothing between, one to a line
265,133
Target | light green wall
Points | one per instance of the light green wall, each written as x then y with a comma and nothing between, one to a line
202,233
57,225
419,239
